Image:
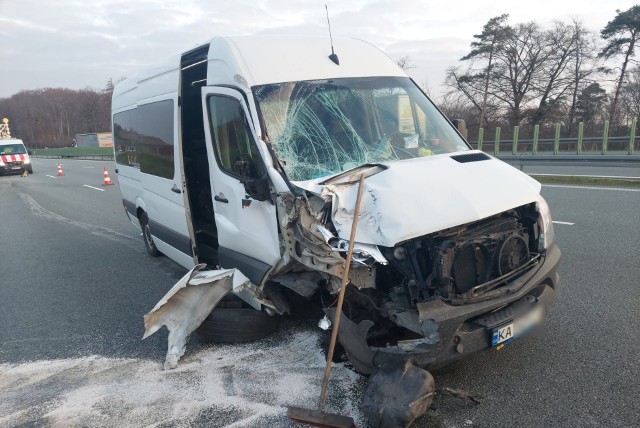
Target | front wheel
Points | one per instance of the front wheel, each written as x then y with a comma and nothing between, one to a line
148,239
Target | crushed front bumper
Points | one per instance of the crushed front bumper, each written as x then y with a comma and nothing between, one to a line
462,329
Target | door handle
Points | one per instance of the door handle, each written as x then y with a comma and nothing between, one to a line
219,199
175,189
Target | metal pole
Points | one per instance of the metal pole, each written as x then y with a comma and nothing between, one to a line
605,137
556,140
496,146
536,132
345,281
514,147
480,138
580,135
632,135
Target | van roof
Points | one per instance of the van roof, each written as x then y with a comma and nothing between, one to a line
7,141
275,59
257,60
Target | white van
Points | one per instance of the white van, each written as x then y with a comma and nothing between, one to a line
244,153
14,157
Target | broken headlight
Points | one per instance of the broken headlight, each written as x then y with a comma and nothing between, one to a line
546,225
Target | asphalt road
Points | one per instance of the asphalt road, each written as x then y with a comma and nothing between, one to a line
75,281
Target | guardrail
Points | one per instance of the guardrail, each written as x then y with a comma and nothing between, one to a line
74,156
577,145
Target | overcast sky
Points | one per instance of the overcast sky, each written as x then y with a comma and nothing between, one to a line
81,43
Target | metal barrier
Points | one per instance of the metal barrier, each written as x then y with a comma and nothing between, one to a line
72,156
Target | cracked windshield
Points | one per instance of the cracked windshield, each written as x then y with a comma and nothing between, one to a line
323,127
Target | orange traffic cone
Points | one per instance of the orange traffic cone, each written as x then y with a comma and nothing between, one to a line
60,169
107,179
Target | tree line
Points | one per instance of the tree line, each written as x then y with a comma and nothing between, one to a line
51,117
525,75
514,74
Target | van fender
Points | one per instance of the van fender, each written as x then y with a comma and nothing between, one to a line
140,205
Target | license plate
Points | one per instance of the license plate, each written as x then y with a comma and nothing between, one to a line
518,327
16,167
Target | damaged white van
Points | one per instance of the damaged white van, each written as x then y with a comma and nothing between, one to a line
245,154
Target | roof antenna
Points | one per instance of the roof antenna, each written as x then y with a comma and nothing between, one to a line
333,57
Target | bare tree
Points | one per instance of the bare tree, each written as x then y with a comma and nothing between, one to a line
51,117
560,45
519,66
584,65
630,93
622,33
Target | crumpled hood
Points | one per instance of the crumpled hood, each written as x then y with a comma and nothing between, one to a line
419,196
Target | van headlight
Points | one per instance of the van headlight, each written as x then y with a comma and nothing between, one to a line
546,224
26,161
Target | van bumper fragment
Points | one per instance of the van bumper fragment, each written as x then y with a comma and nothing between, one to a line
188,303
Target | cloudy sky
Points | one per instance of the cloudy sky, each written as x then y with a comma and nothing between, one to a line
82,43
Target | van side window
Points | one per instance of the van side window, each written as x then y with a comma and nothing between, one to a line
230,133
144,139
125,139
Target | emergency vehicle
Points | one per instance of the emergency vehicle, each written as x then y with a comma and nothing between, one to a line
14,158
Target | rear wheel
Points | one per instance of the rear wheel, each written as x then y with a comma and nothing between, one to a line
148,239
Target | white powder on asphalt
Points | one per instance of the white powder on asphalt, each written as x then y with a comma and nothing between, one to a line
225,385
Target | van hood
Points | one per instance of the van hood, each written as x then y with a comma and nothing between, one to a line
414,197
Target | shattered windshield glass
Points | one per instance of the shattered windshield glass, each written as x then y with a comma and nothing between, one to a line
323,127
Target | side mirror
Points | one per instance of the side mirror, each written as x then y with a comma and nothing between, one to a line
29,152
255,185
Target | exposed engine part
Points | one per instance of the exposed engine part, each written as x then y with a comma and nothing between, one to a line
466,261
363,277
364,254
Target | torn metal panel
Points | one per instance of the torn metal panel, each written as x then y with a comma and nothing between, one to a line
397,395
302,240
364,254
187,304
353,338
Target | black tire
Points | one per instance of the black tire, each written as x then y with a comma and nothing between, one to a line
146,235
30,169
229,325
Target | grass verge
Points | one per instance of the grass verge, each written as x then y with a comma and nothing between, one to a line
588,181
78,151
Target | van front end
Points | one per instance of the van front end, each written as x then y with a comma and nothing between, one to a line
452,293
14,158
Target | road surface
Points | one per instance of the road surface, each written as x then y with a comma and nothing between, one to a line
75,281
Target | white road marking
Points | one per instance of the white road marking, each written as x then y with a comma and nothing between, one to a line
623,189
51,176
562,222
88,167
95,188
588,176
